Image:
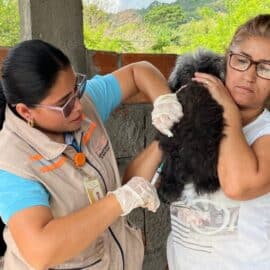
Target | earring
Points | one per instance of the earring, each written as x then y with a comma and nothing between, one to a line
30,122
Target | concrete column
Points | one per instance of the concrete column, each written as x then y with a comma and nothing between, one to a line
58,22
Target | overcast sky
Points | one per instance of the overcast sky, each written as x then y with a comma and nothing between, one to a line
117,5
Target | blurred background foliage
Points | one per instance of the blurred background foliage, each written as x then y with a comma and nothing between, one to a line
178,27
9,23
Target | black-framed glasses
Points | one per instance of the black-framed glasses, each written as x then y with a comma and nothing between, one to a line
242,62
67,108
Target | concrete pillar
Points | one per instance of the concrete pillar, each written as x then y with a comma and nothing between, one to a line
57,22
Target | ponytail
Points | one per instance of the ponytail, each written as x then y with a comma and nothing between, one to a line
2,105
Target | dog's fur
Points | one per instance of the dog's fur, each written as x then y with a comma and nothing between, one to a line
191,155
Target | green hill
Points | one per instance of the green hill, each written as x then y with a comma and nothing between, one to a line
190,6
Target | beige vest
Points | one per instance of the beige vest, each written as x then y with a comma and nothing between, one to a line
32,155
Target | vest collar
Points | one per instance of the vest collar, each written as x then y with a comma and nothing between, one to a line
36,139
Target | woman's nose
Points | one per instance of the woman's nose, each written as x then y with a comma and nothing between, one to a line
250,74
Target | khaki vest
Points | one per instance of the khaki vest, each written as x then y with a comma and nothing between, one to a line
32,155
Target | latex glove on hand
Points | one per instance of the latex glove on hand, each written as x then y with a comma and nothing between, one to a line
137,192
167,111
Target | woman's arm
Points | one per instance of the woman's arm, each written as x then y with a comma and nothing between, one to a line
45,241
141,77
243,170
144,77
145,164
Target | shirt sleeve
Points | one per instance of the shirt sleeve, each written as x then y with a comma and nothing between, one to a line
17,193
106,94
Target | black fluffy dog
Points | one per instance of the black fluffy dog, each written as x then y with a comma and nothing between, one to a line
191,155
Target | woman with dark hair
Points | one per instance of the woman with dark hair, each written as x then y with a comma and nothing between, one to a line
60,193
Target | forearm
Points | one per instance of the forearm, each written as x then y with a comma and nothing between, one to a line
141,77
237,164
145,164
150,81
65,237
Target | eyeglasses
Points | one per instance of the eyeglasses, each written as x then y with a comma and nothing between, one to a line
67,108
242,62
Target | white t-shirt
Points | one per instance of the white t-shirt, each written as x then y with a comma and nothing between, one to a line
213,232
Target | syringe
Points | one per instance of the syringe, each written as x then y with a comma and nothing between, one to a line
157,174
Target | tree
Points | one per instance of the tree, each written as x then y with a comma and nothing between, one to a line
9,22
215,29
161,20
96,39
167,15
93,16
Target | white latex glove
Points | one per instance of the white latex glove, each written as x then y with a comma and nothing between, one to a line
137,192
167,111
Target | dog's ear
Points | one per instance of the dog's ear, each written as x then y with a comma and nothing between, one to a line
183,71
210,62
187,64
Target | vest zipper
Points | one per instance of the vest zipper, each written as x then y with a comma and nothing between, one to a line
119,246
106,190
110,229
99,173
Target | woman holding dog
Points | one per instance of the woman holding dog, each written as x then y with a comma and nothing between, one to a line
60,193
230,229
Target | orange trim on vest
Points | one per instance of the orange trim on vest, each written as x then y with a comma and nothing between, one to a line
35,157
53,166
89,132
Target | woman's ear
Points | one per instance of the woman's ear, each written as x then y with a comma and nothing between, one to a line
24,111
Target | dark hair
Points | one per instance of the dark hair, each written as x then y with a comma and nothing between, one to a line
29,72
2,106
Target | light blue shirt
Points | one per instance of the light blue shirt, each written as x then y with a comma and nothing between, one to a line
17,193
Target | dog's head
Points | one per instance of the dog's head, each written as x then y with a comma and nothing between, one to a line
201,61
